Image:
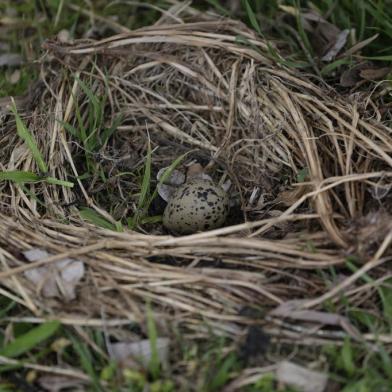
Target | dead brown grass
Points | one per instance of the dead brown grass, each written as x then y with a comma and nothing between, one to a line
188,83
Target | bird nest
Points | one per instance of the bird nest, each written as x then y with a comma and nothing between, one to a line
309,170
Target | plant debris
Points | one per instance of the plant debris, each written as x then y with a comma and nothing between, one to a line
309,167
10,59
54,383
303,379
168,187
55,280
338,45
139,354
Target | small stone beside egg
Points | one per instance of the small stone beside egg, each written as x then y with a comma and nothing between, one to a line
197,205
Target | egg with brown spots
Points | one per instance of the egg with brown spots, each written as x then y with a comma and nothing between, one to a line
197,205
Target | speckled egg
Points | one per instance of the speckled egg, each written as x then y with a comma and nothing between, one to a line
197,205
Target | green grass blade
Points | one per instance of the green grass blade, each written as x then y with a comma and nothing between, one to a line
72,130
95,115
348,357
332,66
166,175
32,195
82,130
381,17
274,54
5,306
302,32
385,293
7,387
219,7
30,339
108,132
362,19
146,179
350,264
379,58
91,96
302,174
252,17
21,177
86,361
28,138
154,365
55,181
18,176
144,199
223,374
93,217
151,219
119,227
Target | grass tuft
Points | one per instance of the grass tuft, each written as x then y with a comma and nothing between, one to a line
309,165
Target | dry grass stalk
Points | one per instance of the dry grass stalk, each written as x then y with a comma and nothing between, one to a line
193,85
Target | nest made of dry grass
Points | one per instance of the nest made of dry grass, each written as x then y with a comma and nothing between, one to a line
189,83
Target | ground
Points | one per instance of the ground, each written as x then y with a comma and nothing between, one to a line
36,355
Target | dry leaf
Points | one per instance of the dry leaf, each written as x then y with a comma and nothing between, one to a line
324,35
64,36
374,73
255,196
291,309
4,46
313,16
194,170
340,41
351,77
290,196
358,46
327,31
363,71
57,383
226,185
139,353
176,179
14,77
289,9
10,59
55,280
17,154
368,232
299,377
166,189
